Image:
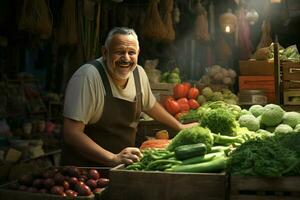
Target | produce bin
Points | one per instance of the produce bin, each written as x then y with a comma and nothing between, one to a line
20,195
150,185
7,193
259,188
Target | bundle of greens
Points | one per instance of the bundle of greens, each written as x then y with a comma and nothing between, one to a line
269,157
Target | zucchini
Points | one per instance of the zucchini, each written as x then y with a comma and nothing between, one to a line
203,158
215,165
191,150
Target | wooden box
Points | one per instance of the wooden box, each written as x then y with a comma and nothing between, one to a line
258,188
265,83
291,71
162,90
291,84
149,185
256,67
291,97
257,82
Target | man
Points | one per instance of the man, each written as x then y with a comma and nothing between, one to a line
103,103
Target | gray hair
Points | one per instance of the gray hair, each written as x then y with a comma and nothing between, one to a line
122,31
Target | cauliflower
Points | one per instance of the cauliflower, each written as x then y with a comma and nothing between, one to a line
249,121
256,110
283,129
291,119
272,115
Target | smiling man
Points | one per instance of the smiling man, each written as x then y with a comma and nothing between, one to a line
103,102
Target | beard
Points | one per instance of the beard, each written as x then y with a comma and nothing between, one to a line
121,70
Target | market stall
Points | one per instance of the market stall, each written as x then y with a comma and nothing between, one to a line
226,71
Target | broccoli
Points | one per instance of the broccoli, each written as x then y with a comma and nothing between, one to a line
283,129
250,122
272,115
236,110
291,119
256,110
192,135
220,120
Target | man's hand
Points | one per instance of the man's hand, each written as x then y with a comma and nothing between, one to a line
128,156
190,125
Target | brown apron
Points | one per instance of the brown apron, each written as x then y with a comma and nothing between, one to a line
117,127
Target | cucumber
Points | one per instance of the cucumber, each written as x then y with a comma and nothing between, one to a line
191,150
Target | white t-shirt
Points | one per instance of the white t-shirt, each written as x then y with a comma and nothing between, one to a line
84,98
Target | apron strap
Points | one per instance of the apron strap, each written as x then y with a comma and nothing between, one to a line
137,81
103,75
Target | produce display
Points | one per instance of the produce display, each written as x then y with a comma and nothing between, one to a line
66,181
260,141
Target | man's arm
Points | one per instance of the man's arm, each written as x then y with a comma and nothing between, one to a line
158,113
74,135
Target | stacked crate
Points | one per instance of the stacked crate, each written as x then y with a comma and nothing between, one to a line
291,83
258,75
162,90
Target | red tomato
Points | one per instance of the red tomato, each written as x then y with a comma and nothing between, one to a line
172,107
184,107
193,93
183,100
193,104
187,84
180,91
166,100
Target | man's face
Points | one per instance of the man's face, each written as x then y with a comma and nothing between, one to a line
121,56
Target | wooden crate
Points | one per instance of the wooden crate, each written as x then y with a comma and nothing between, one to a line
291,84
147,185
291,71
256,67
291,97
258,188
266,83
162,90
